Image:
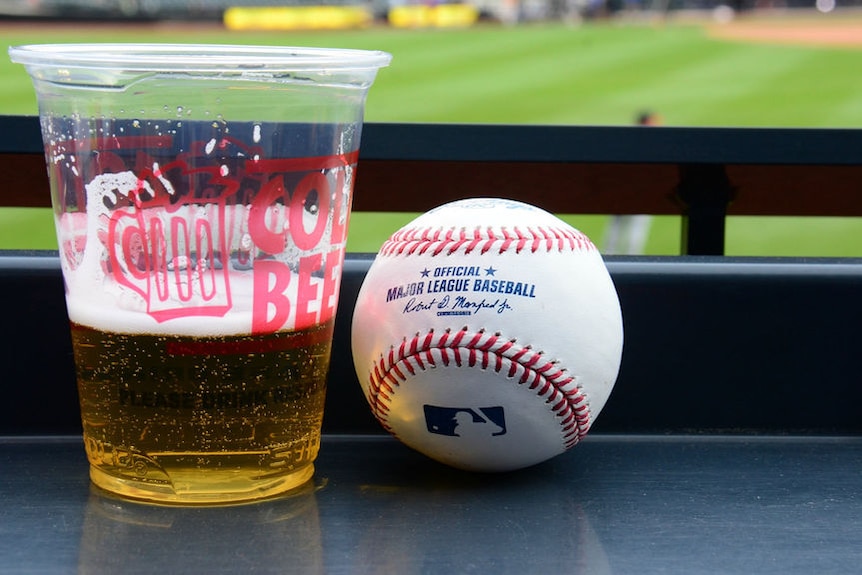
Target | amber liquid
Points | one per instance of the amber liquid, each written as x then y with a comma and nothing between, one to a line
201,420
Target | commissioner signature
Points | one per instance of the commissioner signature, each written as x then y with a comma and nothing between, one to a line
457,305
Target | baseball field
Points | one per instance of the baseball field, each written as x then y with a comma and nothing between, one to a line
799,70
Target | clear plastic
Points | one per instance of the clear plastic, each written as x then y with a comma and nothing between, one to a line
201,196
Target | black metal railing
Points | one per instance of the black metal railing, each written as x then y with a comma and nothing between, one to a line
702,175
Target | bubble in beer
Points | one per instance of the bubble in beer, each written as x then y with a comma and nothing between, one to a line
168,403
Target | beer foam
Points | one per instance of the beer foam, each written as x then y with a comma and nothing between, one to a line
196,292
142,260
114,308
98,300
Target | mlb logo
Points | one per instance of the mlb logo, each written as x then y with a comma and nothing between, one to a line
465,421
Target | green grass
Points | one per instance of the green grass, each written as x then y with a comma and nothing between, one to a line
551,74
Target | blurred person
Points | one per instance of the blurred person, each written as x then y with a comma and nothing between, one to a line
628,234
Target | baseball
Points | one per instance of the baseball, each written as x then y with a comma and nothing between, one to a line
487,335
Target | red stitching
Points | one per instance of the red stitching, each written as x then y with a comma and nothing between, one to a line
438,241
561,392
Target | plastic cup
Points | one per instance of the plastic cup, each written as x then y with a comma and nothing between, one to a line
201,196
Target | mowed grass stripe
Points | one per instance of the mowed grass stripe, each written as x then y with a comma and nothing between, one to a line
464,78
846,112
579,85
832,94
541,79
715,84
771,86
655,74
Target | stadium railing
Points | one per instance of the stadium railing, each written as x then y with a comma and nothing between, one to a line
701,174
758,348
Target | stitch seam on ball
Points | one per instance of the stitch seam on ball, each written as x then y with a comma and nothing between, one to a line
560,390
447,241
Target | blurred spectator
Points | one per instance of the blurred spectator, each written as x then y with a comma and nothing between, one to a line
648,118
628,234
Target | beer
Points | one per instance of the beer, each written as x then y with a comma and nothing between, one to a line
201,419
201,198
202,272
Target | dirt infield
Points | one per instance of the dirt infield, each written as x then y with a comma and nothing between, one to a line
829,33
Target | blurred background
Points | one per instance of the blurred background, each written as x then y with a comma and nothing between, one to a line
656,63
508,11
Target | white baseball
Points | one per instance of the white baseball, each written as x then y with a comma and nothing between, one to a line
487,335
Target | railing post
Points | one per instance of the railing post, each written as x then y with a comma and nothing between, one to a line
704,191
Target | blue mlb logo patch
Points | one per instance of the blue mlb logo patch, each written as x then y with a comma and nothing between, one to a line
465,421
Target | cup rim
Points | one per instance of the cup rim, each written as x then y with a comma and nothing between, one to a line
156,57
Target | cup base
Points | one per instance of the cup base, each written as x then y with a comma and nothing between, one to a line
210,490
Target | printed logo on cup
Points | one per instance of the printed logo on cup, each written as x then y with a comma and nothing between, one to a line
186,237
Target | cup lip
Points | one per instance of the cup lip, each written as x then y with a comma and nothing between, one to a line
158,57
